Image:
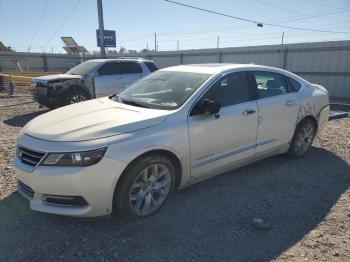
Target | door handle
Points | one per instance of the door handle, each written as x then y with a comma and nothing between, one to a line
249,112
290,103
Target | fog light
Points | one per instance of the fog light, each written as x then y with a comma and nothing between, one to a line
73,201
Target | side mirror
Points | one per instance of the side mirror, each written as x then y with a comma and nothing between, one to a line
210,107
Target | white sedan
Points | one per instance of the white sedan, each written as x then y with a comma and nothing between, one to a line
126,153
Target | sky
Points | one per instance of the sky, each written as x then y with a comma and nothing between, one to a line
37,25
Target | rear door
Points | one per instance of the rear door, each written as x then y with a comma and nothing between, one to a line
278,110
130,72
108,79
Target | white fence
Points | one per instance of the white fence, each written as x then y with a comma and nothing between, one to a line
325,63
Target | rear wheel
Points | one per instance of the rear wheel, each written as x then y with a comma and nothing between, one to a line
144,187
302,139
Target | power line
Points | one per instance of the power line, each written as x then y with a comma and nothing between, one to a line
278,7
214,12
291,19
62,23
260,24
239,38
37,25
230,28
320,4
262,2
308,29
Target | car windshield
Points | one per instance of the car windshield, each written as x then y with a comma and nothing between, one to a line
162,89
83,68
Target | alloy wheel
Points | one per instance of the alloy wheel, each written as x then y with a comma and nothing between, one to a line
150,189
77,98
304,138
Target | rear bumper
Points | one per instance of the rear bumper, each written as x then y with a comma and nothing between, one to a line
323,118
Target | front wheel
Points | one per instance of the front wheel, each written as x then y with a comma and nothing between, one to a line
144,187
76,97
302,139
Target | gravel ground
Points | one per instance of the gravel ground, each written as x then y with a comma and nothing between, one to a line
301,210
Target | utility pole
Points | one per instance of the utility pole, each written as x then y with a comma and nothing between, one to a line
282,52
178,45
217,42
147,47
155,42
101,28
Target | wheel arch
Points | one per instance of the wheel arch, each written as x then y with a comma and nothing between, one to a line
312,118
78,87
170,155
64,88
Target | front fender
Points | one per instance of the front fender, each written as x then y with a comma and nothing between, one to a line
128,147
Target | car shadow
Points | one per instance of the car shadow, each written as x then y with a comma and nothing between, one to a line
209,221
22,120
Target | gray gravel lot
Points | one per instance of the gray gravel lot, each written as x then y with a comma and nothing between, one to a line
304,203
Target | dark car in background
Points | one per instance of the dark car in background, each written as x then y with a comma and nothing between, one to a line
90,79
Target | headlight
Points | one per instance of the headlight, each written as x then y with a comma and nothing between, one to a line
85,158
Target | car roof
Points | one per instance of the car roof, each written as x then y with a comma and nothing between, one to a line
127,59
214,68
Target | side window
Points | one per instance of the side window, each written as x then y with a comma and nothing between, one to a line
109,69
151,66
230,90
270,84
294,85
130,68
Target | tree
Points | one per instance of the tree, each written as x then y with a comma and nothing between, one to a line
4,48
122,50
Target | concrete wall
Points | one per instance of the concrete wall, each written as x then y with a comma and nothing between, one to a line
325,63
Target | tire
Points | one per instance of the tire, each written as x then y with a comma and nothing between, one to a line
51,107
75,96
302,139
137,197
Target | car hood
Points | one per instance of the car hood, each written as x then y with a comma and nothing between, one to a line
92,119
52,78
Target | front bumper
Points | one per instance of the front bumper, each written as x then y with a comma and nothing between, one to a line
42,94
95,184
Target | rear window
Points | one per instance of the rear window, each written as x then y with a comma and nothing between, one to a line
293,84
151,66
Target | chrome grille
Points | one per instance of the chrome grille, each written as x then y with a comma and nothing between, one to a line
24,189
28,156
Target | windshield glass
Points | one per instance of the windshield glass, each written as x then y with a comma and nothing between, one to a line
163,89
83,68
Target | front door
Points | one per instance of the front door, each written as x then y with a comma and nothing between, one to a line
278,110
220,141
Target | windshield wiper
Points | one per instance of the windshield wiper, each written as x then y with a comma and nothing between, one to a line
133,103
